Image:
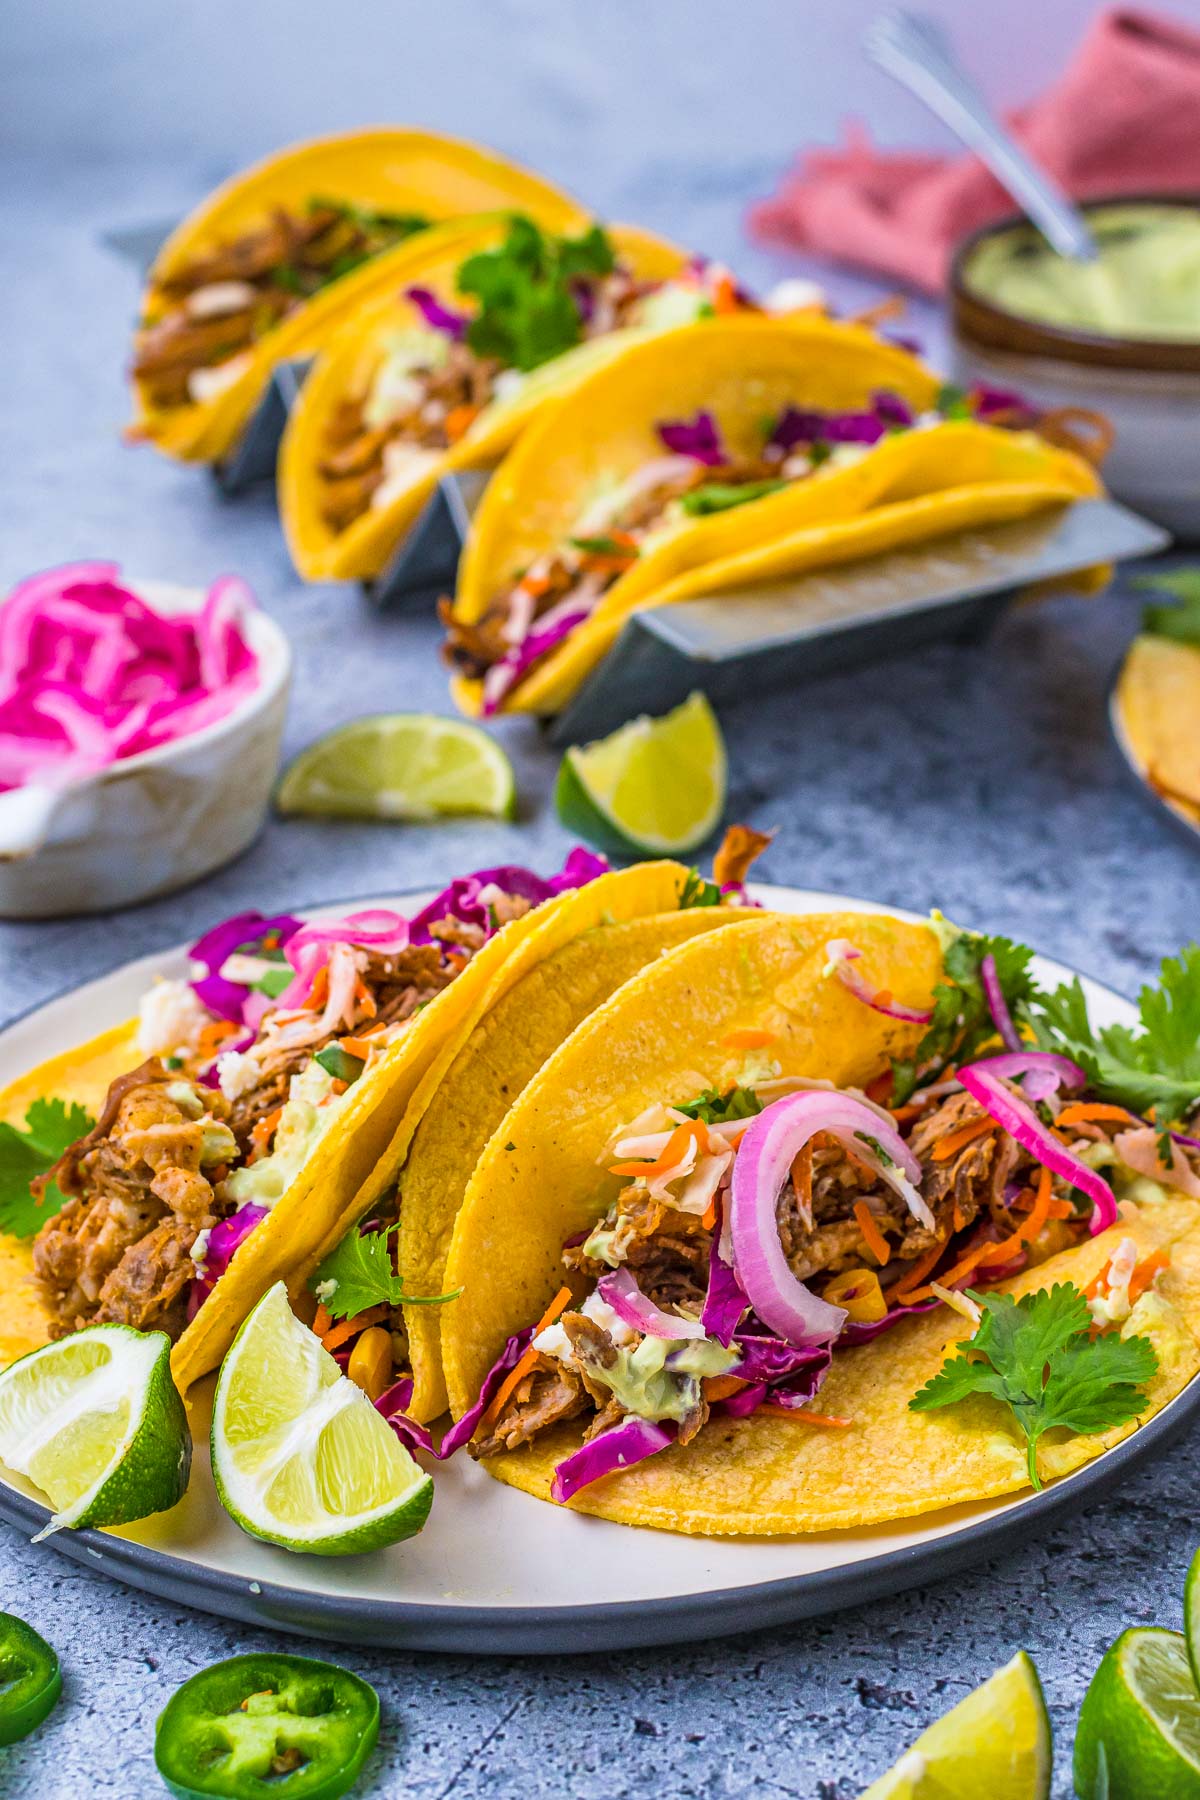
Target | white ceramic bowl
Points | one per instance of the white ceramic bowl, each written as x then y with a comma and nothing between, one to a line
156,821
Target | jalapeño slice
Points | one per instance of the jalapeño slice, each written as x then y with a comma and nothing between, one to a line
30,1679
267,1724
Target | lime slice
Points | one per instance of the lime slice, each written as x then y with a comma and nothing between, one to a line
96,1423
300,1455
400,766
1191,1615
1139,1727
997,1742
656,787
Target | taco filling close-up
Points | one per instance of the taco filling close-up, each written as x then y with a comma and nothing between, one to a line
510,310
246,1069
215,306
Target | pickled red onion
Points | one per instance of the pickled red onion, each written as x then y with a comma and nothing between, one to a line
982,1080
840,953
621,1291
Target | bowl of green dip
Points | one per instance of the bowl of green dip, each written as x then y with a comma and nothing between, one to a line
1119,336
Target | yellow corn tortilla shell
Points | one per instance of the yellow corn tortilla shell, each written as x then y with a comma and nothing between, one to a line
911,486
346,368
505,1050
661,1037
771,1476
78,1077
1158,716
392,170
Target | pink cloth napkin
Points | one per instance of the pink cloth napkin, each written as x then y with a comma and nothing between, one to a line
1124,119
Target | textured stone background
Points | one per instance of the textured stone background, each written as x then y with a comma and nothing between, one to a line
979,779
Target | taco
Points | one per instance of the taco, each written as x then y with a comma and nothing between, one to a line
250,1116
446,371
734,450
1156,714
271,262
735,1227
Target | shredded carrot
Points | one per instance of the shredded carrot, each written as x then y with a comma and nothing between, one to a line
724,295
215,1034
955,1141
458,421
360,1045
919,1270
710,1214
318,993
516,1376
1085,1111
802,1415
672,1152
263,1131
879,1089
876,1243
893,307
321,1320
348,1328
720,1387
748,1039
364,998
1001,1251
1143,1275
956,1218
802,1176
902,1114
535,585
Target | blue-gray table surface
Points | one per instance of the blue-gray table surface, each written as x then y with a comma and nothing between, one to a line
977,778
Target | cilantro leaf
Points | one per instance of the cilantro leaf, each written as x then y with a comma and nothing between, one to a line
696,891
363,1274
1180,621
716,1108
723,496
1153,1067
962,1021
953,402
1035,1356
51,1126
528,312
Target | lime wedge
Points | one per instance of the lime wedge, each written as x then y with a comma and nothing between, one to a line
656,787
1191,1615
300,1455
997,1742
1139,1727
96,1423
400,766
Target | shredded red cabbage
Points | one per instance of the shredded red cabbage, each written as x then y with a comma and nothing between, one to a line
392,1404
461,900
798,428
223,1240
699,438
504,675
793,1391
630,1442
90,674
861,1331
436,314
769,1359
244,931
989,403
724,1303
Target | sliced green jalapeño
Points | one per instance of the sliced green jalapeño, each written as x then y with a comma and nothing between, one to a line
267,1724
30,1679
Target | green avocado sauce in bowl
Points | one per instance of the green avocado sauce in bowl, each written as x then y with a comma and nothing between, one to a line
1143,284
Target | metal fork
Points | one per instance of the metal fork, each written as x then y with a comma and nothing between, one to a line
916,50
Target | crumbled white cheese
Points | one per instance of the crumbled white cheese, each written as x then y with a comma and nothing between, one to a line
206,384
402,465
237,1074
507,385
170,1019
794,295
325,1290
1113,1306
200,1247
218,299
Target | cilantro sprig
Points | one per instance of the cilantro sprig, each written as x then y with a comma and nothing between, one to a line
962,1021
716,1108
1153,1067
528,312
51,1126
363,1274
696,891
1181,620
1035,1356
723,496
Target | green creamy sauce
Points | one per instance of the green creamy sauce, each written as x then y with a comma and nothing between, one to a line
643,1385
1145,282
302,1123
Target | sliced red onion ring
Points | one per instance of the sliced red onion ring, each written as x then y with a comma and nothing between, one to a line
983,1082
1041,1072
997,1005
768,1148
841,953
621,1291
626,1444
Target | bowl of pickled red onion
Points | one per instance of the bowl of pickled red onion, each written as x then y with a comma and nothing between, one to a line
140,726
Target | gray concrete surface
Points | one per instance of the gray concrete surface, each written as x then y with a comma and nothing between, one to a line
979,779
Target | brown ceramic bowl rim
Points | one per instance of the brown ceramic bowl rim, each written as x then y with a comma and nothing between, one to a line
984,323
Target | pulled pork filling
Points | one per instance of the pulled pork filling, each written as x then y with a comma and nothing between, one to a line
215,307
445,386
200,1130
845,1233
